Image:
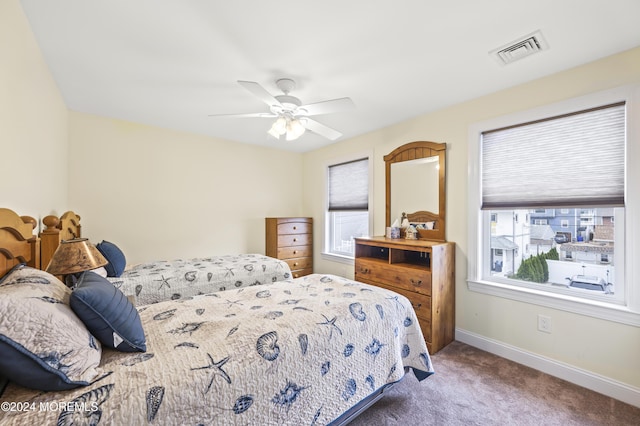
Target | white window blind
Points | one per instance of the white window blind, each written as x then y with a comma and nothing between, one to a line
349,186
572,160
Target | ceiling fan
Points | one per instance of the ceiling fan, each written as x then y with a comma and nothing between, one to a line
292,117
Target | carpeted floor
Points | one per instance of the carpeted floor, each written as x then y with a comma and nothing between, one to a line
473,387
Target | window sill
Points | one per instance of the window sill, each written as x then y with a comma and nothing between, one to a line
347,260
606,311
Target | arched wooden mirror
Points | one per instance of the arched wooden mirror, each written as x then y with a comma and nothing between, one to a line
415,185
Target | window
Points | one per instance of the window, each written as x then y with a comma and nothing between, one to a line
347,206
519,177
568,160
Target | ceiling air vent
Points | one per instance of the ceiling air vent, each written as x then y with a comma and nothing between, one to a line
521,48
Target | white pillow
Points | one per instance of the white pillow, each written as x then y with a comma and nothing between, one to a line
100,271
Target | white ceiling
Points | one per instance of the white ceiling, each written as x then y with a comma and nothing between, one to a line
172,63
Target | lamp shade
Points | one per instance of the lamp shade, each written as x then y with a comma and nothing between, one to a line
76,255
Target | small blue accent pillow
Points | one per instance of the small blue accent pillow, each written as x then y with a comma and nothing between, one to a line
114,255
107,313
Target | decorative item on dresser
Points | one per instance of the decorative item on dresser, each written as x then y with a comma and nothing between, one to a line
422,271
291,239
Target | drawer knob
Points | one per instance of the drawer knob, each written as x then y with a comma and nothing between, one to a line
418,306
295,239
416,282
364,270
295,227
295,263
295,252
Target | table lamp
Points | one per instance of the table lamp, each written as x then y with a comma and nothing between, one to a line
73,257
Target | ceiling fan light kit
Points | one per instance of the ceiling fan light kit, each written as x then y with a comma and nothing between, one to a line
292,117
293,128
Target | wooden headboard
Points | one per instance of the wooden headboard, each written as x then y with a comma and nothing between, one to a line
423,216
18,243
65,227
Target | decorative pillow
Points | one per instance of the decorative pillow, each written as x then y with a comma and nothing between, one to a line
430,225
43,344
15,268
3,384
114,255
108,314
100,271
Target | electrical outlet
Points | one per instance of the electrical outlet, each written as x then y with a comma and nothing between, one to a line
544,323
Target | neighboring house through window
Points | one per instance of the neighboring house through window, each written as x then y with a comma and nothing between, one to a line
565,170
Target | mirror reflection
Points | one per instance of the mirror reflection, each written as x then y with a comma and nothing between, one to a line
414,186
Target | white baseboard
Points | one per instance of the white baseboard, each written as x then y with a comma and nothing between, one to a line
604,385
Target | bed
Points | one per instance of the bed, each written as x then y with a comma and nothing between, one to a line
56,229
314,350
156,281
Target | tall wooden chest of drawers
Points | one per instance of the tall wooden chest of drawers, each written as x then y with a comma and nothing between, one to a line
291,239
422,271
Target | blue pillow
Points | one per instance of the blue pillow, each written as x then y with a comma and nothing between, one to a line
107,313
114,255
3,384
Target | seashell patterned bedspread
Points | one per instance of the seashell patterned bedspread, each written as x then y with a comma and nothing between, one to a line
291,353
158,281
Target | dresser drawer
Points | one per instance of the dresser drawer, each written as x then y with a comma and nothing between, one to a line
294,240
403,277
421,303
301,272
299,263
291,239
294,251
294,228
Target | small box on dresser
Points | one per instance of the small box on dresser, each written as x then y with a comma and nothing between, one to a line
291,239
422,271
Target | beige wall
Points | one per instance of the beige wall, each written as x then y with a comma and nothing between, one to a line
162,194
33,122
181,194
603,348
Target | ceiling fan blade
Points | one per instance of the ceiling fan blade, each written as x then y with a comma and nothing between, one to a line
260,92
328,107
321,129
249,115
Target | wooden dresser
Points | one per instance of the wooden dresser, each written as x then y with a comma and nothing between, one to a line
423,271
291,239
